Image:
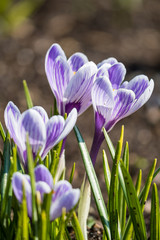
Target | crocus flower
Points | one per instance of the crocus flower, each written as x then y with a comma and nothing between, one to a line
70,80
43,133
114,99
64,196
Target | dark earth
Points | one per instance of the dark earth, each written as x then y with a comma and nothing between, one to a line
100,29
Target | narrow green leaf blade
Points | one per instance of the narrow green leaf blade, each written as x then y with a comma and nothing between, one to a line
113,194
94,184
27,94
2,132
107,172
134,206
77,228
154,214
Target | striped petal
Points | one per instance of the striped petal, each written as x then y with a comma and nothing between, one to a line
117,73
109,61
18,180
42,112
42,174
77,60
69,125
64,197
42,188
54,51
78,91
143,98
54,128
102,99
11,116
32,123
123,101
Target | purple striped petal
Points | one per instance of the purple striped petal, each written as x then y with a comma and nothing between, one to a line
102,99
43,188
64,197
18,180
32,123
69,125
54,51
77,60
78,91
42,112
117,73
54,128
138,85
11,116
109,61
42,174
123,101
103,70
142,99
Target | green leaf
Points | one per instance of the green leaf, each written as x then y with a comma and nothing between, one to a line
72,173
107,172
84,205
62,225
122,207
145,191
76,226
134,206
109,143
44,225
113,195
24,216
154,225
2,132
112,152
33,188
27,94
94,184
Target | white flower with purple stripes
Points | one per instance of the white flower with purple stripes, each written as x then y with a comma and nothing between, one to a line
64,196
44,133
114,99
70,80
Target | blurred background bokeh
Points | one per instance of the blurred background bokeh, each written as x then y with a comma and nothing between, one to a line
125,29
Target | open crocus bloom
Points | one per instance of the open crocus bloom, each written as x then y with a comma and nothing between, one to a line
43,133
114,99
70,80
64,196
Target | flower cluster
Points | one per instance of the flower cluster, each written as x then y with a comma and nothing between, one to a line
76,84
63,195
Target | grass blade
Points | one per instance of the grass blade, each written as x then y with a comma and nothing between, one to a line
33,187
2,132
84,205
134,206
154,214
72,173
77,228
27,94
94,184
113,195
107,172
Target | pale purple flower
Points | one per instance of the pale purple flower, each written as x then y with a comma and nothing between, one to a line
44,133
64,196
114,99
70,80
